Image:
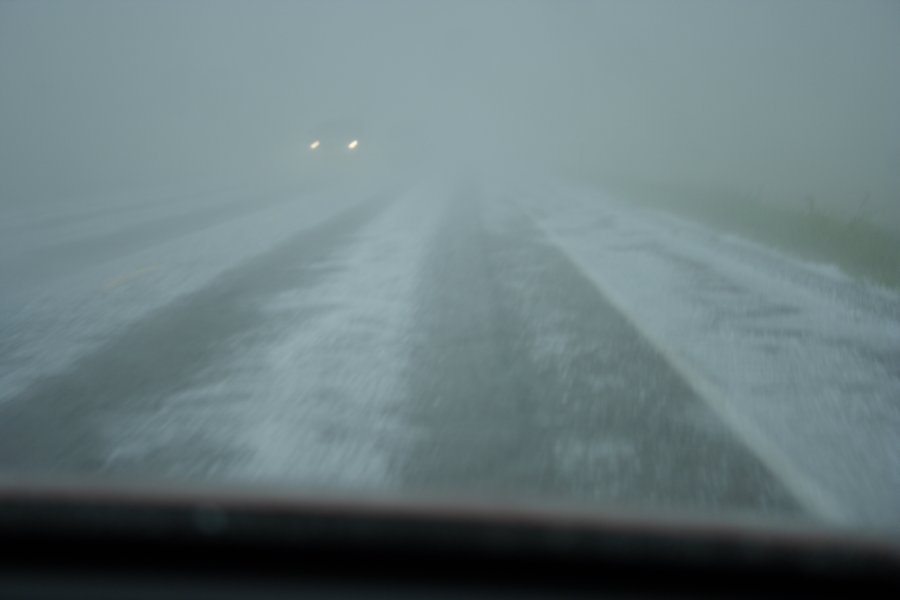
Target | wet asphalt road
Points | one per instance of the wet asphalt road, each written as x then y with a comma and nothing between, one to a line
518,380
531,384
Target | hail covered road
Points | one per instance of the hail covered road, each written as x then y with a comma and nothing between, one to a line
470,339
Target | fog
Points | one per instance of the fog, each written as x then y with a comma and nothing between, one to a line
785,99
636,253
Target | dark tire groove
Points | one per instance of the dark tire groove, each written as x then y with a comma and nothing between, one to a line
57,424
602,419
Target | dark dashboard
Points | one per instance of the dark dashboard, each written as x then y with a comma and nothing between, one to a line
114,543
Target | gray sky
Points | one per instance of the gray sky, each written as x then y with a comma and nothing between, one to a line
791,97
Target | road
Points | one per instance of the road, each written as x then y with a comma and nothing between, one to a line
453,339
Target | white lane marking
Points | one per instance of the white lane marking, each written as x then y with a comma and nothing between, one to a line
804,488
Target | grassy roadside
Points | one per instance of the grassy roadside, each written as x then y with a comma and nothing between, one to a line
860,247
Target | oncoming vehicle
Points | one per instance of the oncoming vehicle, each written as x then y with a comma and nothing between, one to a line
333,150
335,138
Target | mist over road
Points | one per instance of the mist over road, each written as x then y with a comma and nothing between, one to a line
472,337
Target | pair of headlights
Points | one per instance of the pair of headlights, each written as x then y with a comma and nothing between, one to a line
351,146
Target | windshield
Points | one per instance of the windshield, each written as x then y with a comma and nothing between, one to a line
629,256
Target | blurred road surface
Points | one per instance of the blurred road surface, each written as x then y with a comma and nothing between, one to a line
441,339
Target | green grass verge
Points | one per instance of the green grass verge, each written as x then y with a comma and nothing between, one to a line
858,246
